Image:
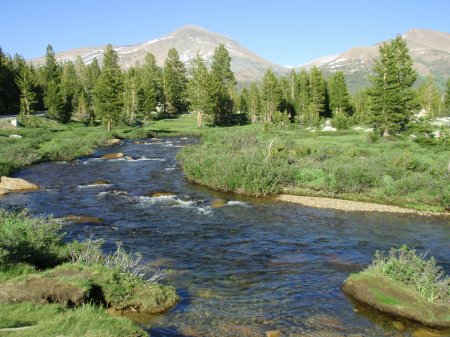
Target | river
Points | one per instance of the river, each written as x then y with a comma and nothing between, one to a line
250,266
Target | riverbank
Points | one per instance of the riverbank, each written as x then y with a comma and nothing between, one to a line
352,206
253,160
53,287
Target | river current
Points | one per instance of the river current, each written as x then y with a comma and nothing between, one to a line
247,267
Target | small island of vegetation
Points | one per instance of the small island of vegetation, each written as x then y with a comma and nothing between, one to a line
406,284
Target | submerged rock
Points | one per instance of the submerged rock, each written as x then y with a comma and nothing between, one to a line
218,202
160,194
16,184
273,333
112,156
86,219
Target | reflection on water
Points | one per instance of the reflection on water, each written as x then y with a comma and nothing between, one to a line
247,267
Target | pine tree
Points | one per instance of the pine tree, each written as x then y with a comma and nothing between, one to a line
391,93
243,100
429,97
26,82
53,97
70,89
446,103
199,95
254,102
303,96
151,84
222,86
108,89
9,92
174,84
271,95
318,97
339,95
132,96
361,104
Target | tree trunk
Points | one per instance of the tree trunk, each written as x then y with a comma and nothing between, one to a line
109,125
199,118
386,133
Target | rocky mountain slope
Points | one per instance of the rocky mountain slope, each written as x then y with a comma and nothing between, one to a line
429,49
188,40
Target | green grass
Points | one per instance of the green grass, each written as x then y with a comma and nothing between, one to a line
53,320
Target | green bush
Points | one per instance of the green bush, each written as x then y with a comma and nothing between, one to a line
36,241
342,121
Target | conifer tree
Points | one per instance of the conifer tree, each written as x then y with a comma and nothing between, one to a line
150,84
9,92
132,96
53,98
318,97
361,104
108,89
222,86
70,89
430,97
446,103
254,102
271,95
199,95
339,95
243,100
303,96
26,82
391,93
174,84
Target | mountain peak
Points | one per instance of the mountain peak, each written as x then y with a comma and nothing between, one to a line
188,40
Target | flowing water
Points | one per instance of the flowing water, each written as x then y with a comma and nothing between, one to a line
250,266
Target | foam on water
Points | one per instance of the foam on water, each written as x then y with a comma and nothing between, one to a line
93,186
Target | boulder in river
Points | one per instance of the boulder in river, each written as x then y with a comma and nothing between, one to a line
112,156
3,191
273,333
113,141
16,184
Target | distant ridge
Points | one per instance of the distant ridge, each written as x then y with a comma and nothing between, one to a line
430,51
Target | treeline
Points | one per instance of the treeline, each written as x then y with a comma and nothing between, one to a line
308,97
74,90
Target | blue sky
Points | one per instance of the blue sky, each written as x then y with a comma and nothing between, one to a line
286,32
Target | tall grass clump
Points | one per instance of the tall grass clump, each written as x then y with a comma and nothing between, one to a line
241,162
414,270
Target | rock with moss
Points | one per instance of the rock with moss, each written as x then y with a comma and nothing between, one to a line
405,284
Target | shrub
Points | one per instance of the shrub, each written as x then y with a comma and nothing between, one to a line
404,265
342,121
89,253
36,241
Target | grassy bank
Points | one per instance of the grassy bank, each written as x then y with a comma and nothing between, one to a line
257,160
76,280
405,284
